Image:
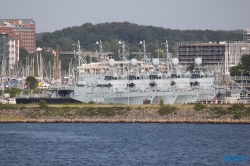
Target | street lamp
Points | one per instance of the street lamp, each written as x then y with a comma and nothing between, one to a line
39,71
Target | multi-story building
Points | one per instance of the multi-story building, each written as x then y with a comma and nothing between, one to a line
13,52
20,33
23,30
246,35
4,39
215,56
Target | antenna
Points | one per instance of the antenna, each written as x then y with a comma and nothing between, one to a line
101,55
124,55
167,55
145,57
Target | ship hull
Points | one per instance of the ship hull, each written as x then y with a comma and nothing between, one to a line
48,100
187,96
118,98
206,94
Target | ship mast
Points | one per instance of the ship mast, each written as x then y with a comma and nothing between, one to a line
146,60
101,56
80,59
124,55
168,57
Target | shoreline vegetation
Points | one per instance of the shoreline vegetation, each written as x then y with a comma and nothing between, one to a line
114,113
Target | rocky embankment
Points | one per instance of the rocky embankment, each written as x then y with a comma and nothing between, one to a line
119,115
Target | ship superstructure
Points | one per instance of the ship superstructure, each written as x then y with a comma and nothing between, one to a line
203,81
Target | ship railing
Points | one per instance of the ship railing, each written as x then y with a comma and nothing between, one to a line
67,87
241,77
246,90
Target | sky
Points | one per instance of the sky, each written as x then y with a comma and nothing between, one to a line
52,15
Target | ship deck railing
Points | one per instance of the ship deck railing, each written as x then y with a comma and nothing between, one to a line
54,87
222,101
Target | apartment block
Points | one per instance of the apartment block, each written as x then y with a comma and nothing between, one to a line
215,56
19,33
246,35
23,30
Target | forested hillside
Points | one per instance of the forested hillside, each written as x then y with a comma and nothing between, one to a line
131,33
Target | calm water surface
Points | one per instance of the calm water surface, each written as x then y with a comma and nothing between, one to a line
122,144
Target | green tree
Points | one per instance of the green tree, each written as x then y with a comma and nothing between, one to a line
40,43
31,82
190,67
23,55
245,61
161,103
236,70
13,92
43,104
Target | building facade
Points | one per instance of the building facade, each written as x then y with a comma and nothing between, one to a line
19,33
4,51
13,52
246,35
23,30
215,56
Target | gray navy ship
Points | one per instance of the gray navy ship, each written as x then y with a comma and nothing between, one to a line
135,84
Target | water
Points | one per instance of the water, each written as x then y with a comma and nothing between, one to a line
122,144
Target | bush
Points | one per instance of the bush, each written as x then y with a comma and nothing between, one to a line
199,106
238,106
167,109
238,114
219,110
7,106
43,104
248,110
13,92
26,92
22,107
161,104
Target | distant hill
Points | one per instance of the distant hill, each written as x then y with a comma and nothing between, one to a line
39,35
110,33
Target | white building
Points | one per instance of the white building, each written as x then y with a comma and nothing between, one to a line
233,54
13,53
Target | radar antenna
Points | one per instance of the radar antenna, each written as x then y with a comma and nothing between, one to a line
124,55
169,59
145,59
102,57
79,57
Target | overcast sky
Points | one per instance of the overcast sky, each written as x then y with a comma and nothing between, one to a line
51,15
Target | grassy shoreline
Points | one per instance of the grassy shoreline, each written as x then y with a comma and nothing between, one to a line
126,121
98,113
